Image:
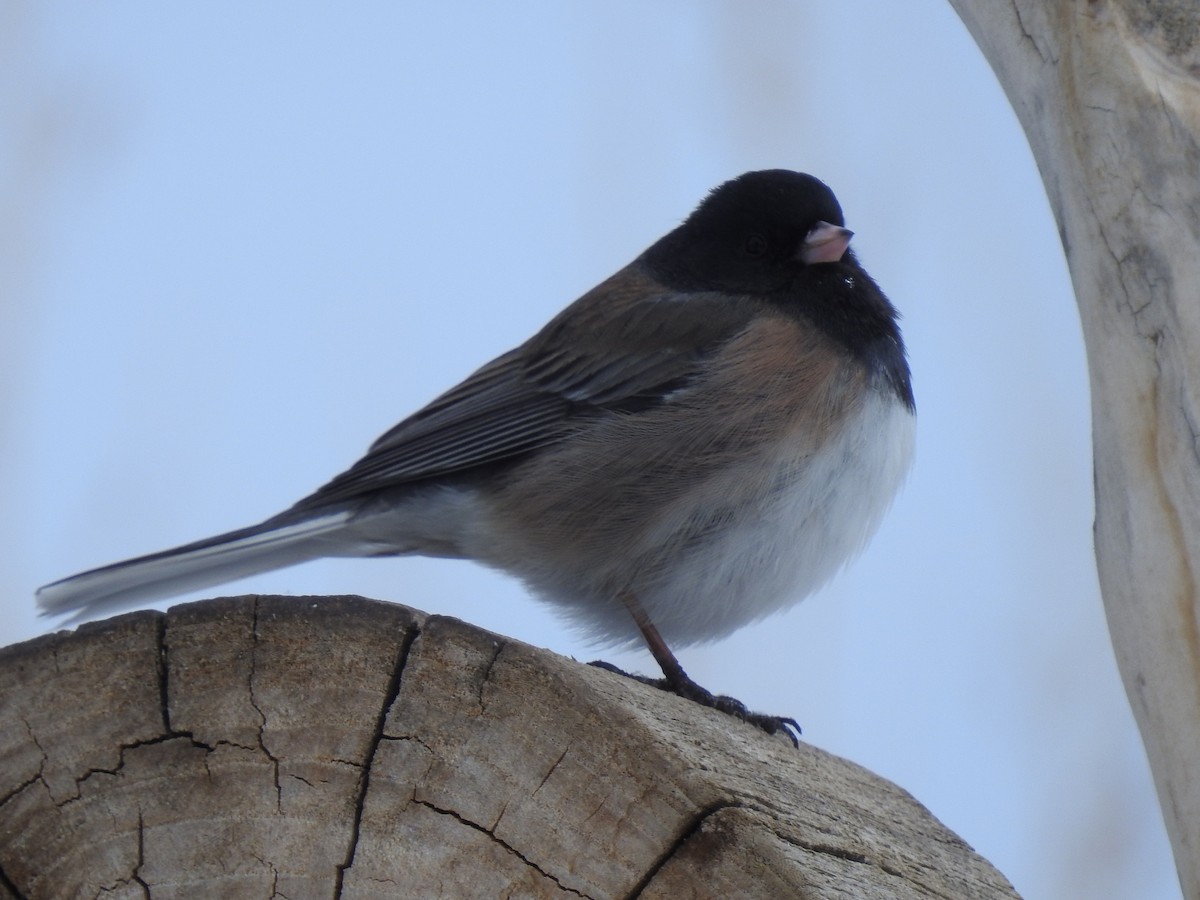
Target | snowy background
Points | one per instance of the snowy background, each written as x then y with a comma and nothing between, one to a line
239,243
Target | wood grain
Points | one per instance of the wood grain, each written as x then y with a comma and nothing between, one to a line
341,747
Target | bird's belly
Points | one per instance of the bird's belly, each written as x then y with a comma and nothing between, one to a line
806,518
748,541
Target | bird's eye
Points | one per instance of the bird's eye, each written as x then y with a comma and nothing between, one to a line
756,245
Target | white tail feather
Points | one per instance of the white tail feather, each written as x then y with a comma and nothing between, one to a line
206,563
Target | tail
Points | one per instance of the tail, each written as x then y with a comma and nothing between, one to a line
269,545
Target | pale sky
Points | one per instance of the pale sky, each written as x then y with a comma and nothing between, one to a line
241,243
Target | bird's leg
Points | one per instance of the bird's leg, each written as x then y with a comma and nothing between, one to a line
677,681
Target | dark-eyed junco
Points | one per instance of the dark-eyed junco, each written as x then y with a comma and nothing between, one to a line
698,441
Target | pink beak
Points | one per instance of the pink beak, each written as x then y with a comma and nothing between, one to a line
825,243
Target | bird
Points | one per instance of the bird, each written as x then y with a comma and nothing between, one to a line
701,440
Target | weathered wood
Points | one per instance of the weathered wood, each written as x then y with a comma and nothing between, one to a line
1108,92
321,747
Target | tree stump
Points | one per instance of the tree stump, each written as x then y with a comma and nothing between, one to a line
342,747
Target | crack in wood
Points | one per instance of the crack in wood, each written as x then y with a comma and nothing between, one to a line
7,884
509,847
833,850
487,673
25,784
859,858
685,835
164,693
262,717
364,778
122,750
141,856
274,877
550,771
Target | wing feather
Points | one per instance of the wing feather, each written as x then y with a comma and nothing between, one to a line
622,347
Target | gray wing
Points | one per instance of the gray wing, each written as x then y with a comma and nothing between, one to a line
623,346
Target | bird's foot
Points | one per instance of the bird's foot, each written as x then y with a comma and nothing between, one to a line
683,686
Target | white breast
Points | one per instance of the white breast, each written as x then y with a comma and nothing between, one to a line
811,516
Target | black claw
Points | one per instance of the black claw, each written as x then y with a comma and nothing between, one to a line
689,690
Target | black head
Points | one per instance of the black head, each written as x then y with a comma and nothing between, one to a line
747,235
748,238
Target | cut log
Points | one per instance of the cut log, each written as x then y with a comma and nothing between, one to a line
342,747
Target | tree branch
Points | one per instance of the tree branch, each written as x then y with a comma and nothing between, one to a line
1108,92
